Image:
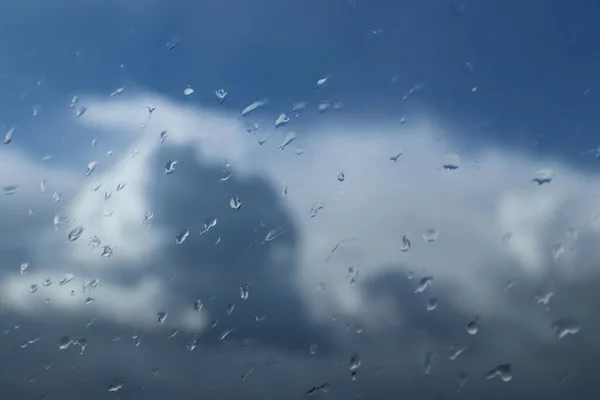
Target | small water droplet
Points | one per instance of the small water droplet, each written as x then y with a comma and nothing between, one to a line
503,371
170,167
432,304
289,138
115,386
313,348
281,120
230,307
225,333
188,91
209,222
244,292
182,236
235,203
75,233
161,317
220,96
430,235
23,267
254,106
341,177
273,234
424,283
544,175
107,251
405,244
473,326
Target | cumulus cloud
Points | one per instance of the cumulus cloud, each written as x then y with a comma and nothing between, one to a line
492,224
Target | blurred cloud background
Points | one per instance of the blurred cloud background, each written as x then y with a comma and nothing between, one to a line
355,262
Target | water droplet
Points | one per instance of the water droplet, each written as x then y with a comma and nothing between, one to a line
173,333
115,386
432,304
324,387
503,371
107,194
260,317
148,215
75,233
245,374
299,107
544,175
321,82
244,292
33,288
354,364
182,236
235,203
341,177
424,283
68,278
289,138
557,251
209,222
151,108
315,209
23,268
405,244
220,96
74,101
81,110
89,300
8,136
254,106
566,326
430,235
90,168
451,162
225,333
188,91
281,120
273,234
96,187
230,307
324,106
161,317
544,298
117,92
56,197
337,106
121,186
313,348
170,167
473,326
107,251
64,343
192,344
10,189
456,352
198,305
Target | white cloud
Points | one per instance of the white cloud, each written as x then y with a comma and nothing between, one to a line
378,202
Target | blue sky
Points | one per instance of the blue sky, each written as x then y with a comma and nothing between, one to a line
517,257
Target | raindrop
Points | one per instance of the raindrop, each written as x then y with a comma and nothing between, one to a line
235,203
33,288
273,234
11,189
96,187
9,135
341,177
182,236
289,138
188,91
117,92
424,283
75,233
170,167
543,176
151,108
74,101
503,371
107,194
220,96
192,344
405,245
230,307
451,162
432,304
121,186
557,251
107,251
161,317
473,326
225,333
395,157
163,135
299,107
209,222
566,326
260,317
315,209
324,387
245,374
321,82
87,301
68,278
244,292
90,168
337,106
313,348
115,386
430,235
254,106
198,305
148,215
81,110
281,120
56,197
456,352
354,364
324,106
64,343
23,268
